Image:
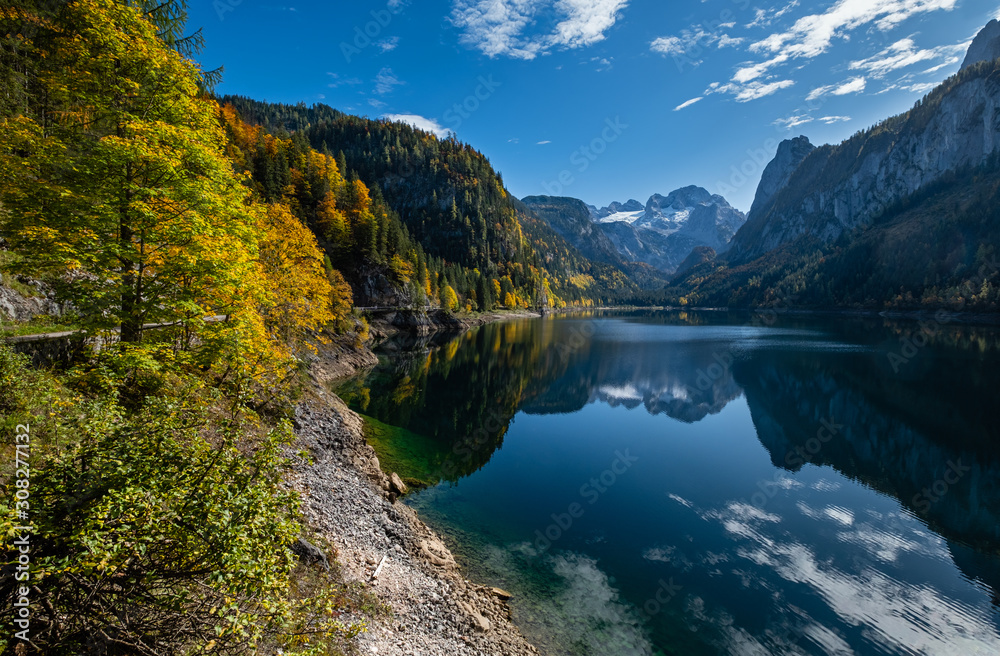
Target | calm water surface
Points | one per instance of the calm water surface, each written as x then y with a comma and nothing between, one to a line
672,483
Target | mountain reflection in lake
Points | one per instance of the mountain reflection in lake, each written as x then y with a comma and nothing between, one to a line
684,483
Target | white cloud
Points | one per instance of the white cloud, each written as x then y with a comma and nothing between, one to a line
793,121
688,103
388,45
669,45
812,35
748,73
725,41
586,21
764,17
420,122
542,143
603,64
750,91
499,28
796,120
386,81
904,53
693,41
854,85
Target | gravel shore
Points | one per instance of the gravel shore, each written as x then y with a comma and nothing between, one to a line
349,501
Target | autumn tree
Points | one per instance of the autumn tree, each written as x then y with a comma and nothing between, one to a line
449,299
123,197
299,292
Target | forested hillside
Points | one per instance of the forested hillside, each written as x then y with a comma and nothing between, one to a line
144,479
451,201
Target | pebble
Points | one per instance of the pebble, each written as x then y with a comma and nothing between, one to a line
343,501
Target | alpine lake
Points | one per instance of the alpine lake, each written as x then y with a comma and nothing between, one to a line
709,483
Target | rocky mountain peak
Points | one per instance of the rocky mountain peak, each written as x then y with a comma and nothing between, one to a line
986,45
791,153
690,196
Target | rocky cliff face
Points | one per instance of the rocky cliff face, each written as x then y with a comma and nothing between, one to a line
836,189
986,45
21,306
776,175
643,245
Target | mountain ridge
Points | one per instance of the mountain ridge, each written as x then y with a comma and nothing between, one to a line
899,216
662,233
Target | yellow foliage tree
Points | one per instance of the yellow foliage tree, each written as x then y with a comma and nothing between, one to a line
128,185
449,299
298,290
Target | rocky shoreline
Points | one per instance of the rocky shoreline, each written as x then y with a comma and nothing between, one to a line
351,503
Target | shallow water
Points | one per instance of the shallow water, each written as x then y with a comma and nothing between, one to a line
684,483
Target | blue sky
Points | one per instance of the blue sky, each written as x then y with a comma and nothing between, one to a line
601,99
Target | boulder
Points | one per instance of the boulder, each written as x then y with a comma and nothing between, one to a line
396,484
309,553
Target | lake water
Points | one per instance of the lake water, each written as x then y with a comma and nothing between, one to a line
682,483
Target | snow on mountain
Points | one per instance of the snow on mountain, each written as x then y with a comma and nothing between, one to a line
669,228
621,217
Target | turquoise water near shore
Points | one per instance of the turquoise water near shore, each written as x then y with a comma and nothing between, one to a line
699,483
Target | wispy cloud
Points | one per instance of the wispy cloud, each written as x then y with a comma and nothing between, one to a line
854,85
603,64
692,42
812,35
420,122
794,121
764,17
501,28
688,103
751,90
386,81
336,80
904,53
542,143
388,45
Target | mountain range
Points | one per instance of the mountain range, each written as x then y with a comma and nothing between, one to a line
662,233
901,215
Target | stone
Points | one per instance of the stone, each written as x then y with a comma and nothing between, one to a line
396,484
501,594
309,553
